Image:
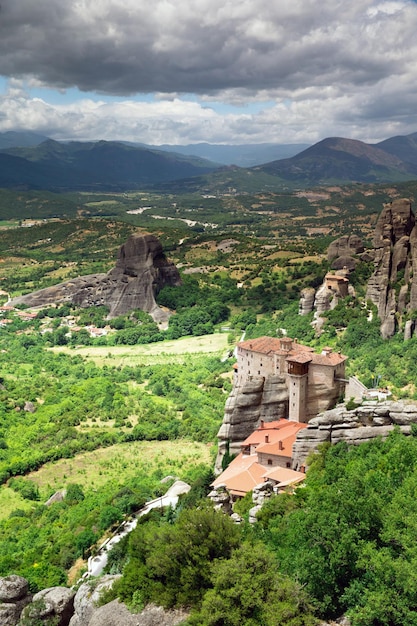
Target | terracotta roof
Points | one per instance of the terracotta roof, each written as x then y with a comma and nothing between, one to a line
280,430
265,345
334,358
301,357
297,354
284,476
337,277
242,475
274,345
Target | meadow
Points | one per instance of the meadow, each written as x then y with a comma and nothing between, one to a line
164,352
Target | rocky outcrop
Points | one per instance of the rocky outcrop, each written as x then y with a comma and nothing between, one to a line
342,252
14,597
393,284
221,499
307,298
371,419
64,607
55,603
141,271
260,494
248,403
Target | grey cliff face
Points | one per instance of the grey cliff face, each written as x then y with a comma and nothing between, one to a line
342,252
141,270
256,399
395,260
370,420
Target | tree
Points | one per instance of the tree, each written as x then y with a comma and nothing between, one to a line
169,564
248,589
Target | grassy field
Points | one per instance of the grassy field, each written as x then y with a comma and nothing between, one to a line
10,501
114,464
175,351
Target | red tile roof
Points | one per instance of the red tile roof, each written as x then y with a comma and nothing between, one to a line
268,345
297,354
284,476
242,475
281,430
332,358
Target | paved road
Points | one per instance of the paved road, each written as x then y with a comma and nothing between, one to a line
97,563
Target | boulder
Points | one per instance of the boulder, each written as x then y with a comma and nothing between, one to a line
14,597
221,499
54,602
87,597
10,613
13,588
116,614
140,272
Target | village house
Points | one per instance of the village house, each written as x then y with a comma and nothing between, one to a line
309,376
266,455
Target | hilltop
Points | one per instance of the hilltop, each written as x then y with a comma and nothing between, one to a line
119,166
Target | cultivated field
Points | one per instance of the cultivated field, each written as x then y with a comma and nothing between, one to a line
115,464
176,351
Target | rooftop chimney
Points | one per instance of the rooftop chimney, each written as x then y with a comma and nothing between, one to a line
266,438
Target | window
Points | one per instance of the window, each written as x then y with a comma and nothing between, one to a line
269,461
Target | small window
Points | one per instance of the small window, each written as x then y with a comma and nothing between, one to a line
269,462
288,464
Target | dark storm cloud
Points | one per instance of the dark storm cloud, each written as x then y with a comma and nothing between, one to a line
131,46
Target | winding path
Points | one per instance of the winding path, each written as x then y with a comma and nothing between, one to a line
97,563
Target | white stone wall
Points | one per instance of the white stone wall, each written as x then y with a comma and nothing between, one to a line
276,461
252,363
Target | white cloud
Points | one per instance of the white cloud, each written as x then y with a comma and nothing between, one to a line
339,68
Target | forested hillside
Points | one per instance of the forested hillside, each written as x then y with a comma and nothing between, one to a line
101,410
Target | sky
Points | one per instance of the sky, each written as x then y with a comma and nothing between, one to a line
217,71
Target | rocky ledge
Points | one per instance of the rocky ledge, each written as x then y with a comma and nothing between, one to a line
371,419
141,270
65,607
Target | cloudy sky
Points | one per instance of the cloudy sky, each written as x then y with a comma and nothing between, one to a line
222,71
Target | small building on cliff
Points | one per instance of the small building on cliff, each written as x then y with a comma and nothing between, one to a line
266,455
303,370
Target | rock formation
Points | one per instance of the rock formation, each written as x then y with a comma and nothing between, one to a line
342,252
65,607
256,399
141,271
393,285
371,419
55,603
14,597
307,297
335,287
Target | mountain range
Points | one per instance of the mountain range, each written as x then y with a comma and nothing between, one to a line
116,166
